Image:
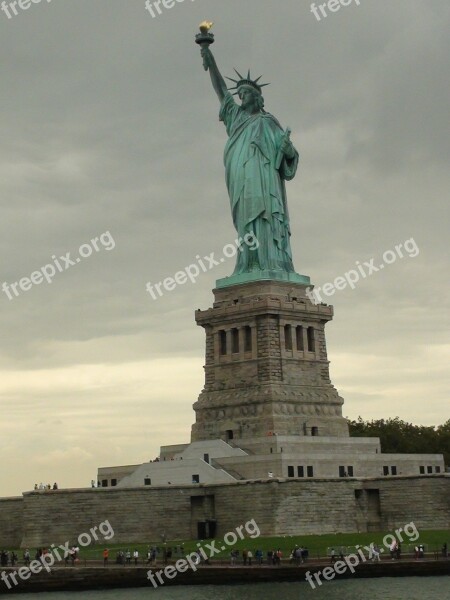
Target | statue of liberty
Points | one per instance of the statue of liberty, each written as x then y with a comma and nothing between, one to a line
259,158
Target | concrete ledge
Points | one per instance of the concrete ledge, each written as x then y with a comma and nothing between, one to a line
92,578
306,480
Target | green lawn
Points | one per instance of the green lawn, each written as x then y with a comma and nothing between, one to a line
317,544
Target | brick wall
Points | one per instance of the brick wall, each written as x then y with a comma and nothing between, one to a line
279,507
10,522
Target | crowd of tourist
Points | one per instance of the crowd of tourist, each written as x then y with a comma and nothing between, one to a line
297,555
45,487
125,557
8,558
395,552
11,558
154,554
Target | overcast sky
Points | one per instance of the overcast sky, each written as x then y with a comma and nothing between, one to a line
109,124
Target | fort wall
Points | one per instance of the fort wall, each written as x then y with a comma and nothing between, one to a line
279,507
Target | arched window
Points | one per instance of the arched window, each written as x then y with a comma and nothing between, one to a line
288,337
299,336
311,340
222,342
235,341
247,339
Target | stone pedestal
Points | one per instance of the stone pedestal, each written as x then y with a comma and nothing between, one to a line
266,368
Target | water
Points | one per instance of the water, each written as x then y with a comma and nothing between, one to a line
386,588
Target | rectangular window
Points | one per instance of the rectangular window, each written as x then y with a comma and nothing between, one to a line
350,471
195,478
288,337
247,339
310,471
113,482
222,342
311,340
385,470
341,471
147,481
314,431
299,335
393,470
206,458
291,472
422,470
437,469
429,469
235,341
300,472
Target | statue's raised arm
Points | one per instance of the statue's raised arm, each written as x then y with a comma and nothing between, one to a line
217,80
204,39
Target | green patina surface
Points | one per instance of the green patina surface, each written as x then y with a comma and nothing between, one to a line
259,158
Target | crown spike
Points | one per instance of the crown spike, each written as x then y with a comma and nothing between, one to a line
246,81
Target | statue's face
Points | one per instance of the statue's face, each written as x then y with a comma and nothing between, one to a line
248,100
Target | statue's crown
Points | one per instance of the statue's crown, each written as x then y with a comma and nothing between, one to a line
246,81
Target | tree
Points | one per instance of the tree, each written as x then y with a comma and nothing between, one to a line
401,437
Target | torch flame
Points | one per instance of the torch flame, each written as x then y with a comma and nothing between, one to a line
205,26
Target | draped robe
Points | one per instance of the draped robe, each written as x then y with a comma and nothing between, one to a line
256,172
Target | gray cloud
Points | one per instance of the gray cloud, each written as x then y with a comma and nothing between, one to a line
109,123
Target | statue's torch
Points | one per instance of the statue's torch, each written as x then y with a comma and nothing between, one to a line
204,39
